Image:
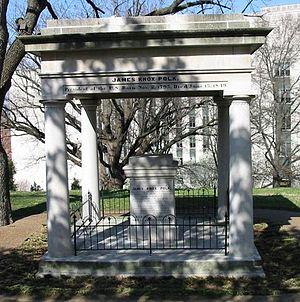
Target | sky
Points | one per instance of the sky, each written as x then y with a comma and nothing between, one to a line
74,8
65,8
282,2
257,4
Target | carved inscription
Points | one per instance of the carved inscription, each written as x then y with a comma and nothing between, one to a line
145,84
157,200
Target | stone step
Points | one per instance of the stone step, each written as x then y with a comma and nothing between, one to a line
140,263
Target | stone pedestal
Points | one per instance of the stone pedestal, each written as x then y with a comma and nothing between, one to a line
151,185
152,196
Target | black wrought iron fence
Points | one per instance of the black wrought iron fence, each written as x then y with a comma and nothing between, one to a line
90,212
114,202
200,202
150,233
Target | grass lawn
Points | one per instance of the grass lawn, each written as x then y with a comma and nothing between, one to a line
277,198
281,262
29,203
279,250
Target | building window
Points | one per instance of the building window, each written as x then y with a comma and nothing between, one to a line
179,144
286,121
166,141
192,141
285,149
205,119
206,130
179,155
193,154
284,90
178,130
192,121
205,143
282,69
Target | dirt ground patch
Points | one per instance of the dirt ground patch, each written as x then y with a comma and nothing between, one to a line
13,235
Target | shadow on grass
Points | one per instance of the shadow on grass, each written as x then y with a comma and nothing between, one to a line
281,261
40,207
28,211
280,252
275,202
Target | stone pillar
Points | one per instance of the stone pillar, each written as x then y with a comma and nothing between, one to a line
223,157
241,241
59,233
89,160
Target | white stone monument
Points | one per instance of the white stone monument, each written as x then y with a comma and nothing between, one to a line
152,185
152,198
132,57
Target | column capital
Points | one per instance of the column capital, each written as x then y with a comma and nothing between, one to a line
222,102
89,103
240,98
54,103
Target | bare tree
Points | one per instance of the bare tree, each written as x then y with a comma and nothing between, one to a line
10,57
12,50
275,112
135,127
126,127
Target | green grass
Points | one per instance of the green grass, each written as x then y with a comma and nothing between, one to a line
277,198
30,203
114,202
27,203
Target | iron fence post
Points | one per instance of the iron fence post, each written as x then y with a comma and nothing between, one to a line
150,243
226,235
74,234
215,203
102,203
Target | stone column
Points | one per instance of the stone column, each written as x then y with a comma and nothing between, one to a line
89,160
223,157
241,241
59,233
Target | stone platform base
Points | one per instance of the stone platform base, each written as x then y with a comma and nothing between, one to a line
140,263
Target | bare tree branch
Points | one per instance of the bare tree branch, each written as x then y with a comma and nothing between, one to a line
51,10
248,4
95,8
178,6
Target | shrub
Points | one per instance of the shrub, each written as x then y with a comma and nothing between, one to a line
75,184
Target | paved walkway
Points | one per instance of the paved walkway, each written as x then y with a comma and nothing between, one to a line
13,235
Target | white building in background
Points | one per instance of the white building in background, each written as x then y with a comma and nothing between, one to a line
193,152
28,154
279,90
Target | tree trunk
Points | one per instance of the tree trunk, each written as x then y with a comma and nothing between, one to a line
117,177
9,60
5,206
116,183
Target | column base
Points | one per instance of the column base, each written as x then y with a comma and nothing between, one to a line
159,264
